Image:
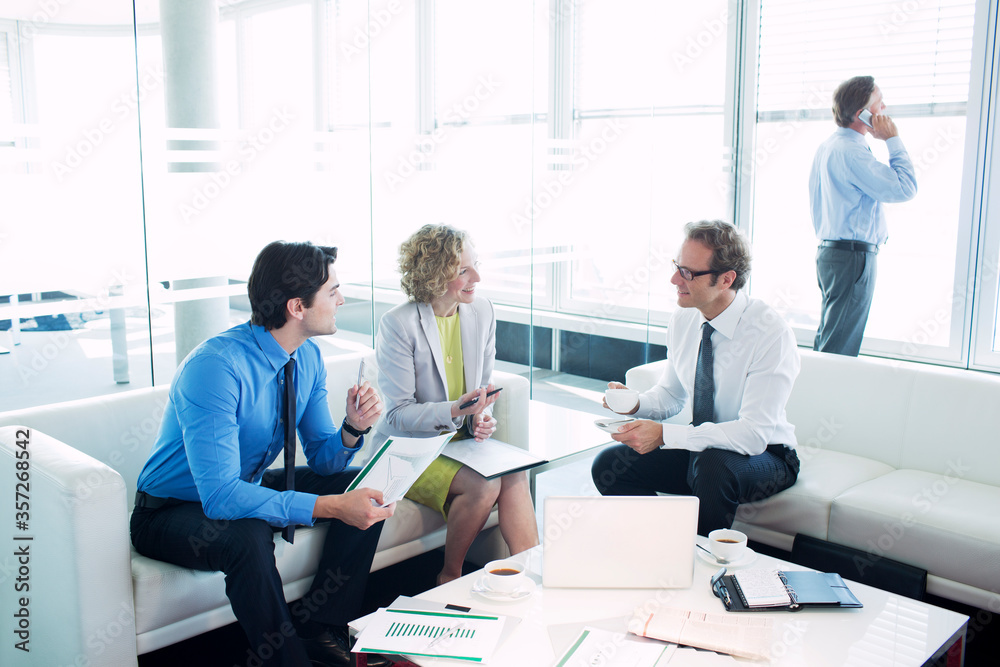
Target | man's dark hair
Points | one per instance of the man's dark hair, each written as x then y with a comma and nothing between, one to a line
850,97
730,251
284,271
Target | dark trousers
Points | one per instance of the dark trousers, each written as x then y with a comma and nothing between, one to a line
721,479
847,281
244,550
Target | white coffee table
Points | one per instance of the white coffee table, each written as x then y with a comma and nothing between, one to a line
890,630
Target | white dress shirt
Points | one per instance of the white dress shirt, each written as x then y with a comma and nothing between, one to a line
755,363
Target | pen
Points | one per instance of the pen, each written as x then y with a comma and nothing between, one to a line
361,378
448,635
469,404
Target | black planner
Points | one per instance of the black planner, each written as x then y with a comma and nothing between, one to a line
777,590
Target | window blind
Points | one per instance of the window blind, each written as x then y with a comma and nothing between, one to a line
919,52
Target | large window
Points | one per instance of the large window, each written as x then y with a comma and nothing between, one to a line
921,57
148,151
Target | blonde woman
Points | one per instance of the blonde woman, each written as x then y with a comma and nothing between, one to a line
436,353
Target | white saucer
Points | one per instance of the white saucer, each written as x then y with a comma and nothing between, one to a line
482,588
749,556
611,424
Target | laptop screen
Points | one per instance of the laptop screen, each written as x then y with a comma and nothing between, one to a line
619,541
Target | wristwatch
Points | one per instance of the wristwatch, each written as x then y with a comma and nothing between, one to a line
353,431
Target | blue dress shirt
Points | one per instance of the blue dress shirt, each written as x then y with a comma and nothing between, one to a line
847,186
221,431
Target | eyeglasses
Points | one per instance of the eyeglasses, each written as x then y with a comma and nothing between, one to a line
688,274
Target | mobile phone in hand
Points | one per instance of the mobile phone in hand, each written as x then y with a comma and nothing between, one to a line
469,404
865,117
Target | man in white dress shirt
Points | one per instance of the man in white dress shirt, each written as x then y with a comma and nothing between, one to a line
740,447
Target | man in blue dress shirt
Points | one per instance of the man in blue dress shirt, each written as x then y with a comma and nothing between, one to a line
206,499
847,187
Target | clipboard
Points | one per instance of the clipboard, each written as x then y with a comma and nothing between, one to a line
491,458
804,589
397,464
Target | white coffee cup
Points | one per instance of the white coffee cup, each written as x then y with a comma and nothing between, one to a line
505,576
727,545
621,400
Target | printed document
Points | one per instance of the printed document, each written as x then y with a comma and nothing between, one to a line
595,646
432,634
397,465
744,635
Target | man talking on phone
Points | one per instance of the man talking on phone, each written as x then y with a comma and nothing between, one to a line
847,187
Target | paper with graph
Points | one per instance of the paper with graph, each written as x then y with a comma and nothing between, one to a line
397,464
431,634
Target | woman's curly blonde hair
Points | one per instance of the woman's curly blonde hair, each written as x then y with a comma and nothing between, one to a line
429,260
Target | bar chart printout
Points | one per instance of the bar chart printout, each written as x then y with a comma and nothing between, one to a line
467,637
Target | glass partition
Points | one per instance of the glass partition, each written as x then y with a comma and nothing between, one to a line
149,150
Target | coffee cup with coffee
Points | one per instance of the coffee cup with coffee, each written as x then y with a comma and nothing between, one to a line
505,576
727,545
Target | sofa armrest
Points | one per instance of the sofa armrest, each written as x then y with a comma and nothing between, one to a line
644,377
73,567
511,409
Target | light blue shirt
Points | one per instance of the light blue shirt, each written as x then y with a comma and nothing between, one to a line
221,431
848,185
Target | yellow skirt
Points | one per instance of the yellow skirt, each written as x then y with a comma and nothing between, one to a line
431,488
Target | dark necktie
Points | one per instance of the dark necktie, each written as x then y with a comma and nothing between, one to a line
288,532
703,409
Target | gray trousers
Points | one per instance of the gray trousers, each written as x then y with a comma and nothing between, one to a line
847,281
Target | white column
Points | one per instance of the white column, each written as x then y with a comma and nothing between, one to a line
189,31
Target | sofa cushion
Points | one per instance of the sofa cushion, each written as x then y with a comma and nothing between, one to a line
957,407
166,593
831,405
941,523
805,507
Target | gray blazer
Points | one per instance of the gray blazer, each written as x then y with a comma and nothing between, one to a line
411,375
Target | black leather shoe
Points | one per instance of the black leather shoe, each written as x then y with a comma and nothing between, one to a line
332,648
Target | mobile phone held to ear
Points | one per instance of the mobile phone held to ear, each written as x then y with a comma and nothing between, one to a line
865,117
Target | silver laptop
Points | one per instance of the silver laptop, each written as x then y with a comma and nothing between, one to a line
619,541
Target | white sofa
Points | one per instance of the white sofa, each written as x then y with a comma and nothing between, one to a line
899,460
93,599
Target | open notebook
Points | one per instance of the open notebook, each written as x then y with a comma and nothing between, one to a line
772,590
